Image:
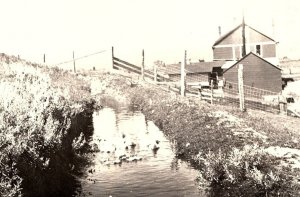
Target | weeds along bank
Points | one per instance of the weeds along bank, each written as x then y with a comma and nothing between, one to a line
45,122
232,152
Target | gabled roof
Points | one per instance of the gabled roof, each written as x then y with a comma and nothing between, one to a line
246,56
204,66
198,67
233,30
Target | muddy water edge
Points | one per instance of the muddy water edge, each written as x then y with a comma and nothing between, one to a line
135,158
66,159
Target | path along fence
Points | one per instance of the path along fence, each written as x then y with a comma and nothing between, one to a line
209,88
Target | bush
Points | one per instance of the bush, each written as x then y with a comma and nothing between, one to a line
230,164
37,135
243,171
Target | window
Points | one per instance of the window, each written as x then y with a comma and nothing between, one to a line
258,50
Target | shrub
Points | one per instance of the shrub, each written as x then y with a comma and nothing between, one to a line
243,171
230,164
36,132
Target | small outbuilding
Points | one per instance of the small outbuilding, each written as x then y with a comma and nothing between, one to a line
257,72
196,72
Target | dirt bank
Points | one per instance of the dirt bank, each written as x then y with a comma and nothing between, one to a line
45,122
229,147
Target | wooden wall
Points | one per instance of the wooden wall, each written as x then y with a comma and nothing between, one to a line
223,53
257,73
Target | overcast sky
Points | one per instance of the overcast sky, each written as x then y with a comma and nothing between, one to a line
164,28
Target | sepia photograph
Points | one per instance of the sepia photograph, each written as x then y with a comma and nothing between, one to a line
162,98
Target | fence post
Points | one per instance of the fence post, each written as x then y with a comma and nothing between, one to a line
155,73
241,87
200,92
282,105
44,58
112,56
182,76
74,62
143,66
211,91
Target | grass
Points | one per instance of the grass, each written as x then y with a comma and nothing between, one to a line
45,119
227,146
45,113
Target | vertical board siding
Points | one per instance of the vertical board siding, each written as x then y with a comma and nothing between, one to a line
224,53
269,50
234,38
257,73
254,36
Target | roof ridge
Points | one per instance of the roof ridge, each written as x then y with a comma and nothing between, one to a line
234,29
247,56
226,35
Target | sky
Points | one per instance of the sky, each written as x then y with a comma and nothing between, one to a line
163,28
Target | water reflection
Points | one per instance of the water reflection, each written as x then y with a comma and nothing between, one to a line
135,159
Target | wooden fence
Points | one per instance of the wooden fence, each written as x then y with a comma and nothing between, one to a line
122,64
212,90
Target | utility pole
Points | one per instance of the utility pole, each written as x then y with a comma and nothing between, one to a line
143,65
244,38
74,62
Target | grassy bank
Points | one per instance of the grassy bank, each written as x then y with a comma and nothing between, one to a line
45,119
232,150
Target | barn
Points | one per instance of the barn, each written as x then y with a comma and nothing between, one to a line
258,73
229,46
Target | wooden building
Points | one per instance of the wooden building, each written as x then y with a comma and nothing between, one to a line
196,72
229,47
257,72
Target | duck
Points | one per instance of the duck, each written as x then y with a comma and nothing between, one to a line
117,161
95,148
155,146
123,135
134,158
122,157
133,145
138,158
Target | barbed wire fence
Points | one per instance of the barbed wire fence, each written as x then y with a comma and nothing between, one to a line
81,57
79,61
213,89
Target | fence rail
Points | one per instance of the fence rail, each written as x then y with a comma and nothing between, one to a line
122,64
212,89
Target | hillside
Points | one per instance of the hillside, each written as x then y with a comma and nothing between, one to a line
40,137
253,152
46,115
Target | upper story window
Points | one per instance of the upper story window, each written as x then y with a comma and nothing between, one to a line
258,49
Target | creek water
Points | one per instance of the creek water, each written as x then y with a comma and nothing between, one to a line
135,159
